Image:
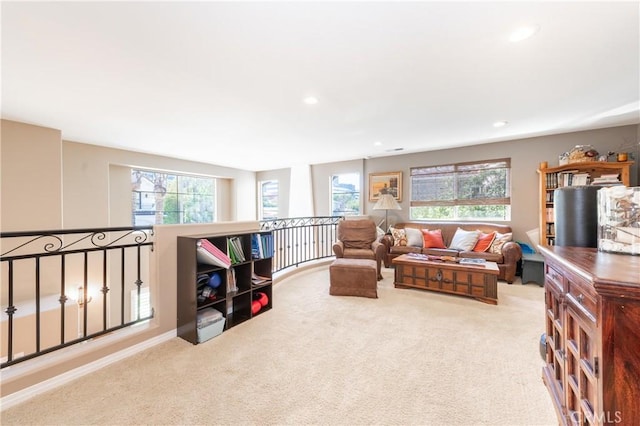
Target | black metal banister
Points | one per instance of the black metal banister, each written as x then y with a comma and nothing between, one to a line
301,239
75,253
29,264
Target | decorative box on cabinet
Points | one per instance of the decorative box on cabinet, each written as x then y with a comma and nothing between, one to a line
592,317
235,294
551,178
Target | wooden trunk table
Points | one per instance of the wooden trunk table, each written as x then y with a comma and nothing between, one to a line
477,281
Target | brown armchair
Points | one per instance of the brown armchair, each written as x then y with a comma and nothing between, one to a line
358,239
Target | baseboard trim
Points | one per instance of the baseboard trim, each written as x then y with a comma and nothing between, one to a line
296,269
47,385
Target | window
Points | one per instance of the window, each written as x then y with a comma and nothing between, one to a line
269,199
345,194
464,191
145,304
159,198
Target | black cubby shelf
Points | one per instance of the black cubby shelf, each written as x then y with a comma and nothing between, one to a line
233,290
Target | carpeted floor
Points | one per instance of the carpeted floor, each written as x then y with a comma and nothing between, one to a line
407,358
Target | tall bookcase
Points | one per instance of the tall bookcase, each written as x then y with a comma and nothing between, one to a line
552,178
236,291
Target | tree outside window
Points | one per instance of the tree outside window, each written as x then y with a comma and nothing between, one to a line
163,198
345,194
464,191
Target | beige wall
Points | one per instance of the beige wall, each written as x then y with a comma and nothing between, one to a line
31,174
97,185
526,154
321,181
283,176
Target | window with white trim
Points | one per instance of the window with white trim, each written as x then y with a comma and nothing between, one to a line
269,192
464,191
345,194
164,198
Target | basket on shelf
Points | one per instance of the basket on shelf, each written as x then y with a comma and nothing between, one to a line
582,154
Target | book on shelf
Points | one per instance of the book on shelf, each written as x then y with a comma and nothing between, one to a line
261,246
580,179
209,254
567,177
234,246
257,250
549,213
257,280
231,281
607,179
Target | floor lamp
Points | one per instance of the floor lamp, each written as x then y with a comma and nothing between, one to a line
387,202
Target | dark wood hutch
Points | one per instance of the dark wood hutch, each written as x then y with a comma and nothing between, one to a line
592,366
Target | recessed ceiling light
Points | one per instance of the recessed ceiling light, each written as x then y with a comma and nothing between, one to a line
310,100
501,123
377,143
523,33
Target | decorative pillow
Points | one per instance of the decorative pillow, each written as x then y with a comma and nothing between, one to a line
432,239
379,233
464,240
484,241
399,237
499,241
414,237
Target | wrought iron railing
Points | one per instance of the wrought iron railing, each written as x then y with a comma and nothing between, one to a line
48,283
63,287
301,239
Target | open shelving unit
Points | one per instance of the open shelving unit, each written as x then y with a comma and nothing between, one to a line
552,178
234,295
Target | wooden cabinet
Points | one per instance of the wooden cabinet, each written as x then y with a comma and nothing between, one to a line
592,317
554,177
237,288
479,282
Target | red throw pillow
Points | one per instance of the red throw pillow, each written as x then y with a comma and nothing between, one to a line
484,242
433,239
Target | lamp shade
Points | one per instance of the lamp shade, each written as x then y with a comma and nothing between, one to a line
387,202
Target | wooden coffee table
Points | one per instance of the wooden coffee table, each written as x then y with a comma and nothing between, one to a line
477,281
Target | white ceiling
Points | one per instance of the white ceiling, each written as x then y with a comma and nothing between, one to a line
223,82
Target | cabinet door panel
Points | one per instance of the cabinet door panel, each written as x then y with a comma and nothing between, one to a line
554,322
580,371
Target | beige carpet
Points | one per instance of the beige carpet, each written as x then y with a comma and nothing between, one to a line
407,358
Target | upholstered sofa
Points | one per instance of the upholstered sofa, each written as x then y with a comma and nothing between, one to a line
504,252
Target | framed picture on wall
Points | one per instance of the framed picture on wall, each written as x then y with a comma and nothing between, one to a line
385,183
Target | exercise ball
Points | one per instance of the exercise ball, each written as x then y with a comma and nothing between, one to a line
255,307
215,280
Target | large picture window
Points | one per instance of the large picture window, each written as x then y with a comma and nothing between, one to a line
163,198
464,191
345,194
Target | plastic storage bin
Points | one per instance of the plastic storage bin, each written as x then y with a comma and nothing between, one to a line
210,324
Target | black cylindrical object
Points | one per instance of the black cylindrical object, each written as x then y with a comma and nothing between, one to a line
576,216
